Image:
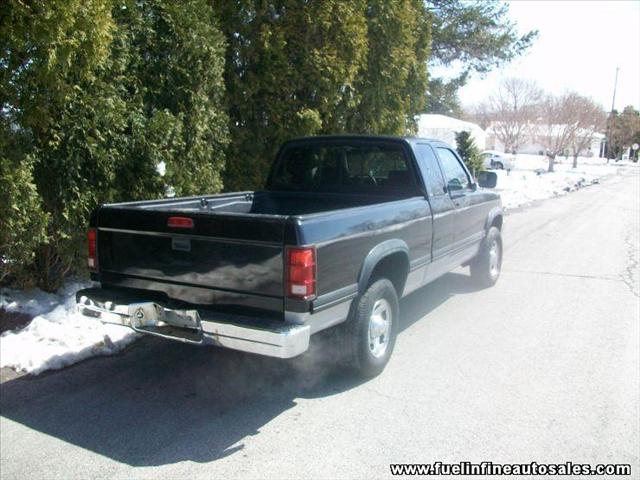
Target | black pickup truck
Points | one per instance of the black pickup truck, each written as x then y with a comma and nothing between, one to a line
345,226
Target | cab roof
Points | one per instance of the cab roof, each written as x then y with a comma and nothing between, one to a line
390,138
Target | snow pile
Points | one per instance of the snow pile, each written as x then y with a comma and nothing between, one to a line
529,181
58,336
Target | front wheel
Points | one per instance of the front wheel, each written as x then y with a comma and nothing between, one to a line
372,331
486,266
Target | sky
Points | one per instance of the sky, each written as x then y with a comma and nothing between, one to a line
579,46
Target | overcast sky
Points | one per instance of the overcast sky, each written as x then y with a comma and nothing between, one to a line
578,48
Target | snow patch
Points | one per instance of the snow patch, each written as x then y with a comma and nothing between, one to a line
58,336
529,180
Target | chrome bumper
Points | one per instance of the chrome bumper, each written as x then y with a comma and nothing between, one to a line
282,340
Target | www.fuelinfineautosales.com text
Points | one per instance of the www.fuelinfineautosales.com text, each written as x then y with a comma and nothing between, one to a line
490,468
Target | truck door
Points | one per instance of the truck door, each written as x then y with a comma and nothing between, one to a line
469,220
442,206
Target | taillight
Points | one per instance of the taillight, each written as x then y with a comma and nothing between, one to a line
301,273
92,246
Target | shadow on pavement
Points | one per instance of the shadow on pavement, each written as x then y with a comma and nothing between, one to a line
163,402
419,303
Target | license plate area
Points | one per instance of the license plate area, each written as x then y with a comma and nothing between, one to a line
154,319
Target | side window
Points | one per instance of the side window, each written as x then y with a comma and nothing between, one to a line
453,171
430,169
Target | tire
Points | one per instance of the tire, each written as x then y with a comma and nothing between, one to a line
499,166
366,355
486,266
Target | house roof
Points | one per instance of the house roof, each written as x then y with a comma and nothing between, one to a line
428,121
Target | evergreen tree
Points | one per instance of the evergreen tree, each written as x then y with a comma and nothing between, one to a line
50,52
442,97
94,95
468,151
623,131
470,37
22,220
290,69
172,59
392,87
302,68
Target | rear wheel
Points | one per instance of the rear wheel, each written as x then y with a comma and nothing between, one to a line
486,266
372,331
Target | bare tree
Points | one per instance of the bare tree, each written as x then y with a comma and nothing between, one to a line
557,125
591,119
479,114
512,109
567,123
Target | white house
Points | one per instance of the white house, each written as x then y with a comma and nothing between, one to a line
532,141
444,128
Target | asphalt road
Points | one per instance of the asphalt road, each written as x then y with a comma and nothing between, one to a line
543,367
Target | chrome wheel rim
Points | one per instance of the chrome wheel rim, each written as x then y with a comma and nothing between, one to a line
380,327
494,259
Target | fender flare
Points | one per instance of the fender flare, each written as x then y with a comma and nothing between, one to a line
375,255
493,214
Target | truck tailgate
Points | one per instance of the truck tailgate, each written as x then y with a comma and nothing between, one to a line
225,261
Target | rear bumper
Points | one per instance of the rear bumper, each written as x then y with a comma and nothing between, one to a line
274,339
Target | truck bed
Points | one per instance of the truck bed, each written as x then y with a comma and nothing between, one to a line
232,259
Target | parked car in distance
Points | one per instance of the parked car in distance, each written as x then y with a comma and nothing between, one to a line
345,227
497,161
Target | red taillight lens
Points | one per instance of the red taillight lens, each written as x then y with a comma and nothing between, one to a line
301,273
92,246
302,257
180,222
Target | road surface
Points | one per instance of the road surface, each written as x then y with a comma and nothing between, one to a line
543,367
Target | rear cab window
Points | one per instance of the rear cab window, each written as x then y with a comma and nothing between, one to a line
347,167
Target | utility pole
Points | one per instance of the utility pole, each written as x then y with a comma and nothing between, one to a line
612,117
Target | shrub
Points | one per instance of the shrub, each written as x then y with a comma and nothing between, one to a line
468,151
22,221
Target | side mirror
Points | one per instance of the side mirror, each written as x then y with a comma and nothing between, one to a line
454,185
487,179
